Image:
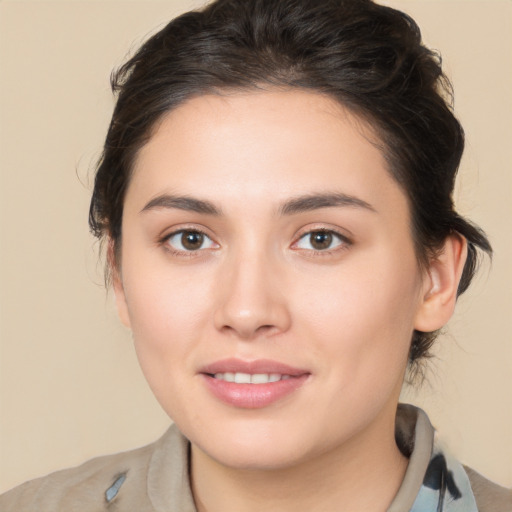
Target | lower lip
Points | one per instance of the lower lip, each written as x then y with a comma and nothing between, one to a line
253,396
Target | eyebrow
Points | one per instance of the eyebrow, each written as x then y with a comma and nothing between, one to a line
295,205
186,203
311,202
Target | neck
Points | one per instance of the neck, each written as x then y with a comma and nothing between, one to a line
362,474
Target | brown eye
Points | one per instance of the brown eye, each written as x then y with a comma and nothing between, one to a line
321,240
192,240
189,241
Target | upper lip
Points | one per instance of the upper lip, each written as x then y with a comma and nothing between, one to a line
234,365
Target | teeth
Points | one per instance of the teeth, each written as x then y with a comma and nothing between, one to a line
242,378
247,378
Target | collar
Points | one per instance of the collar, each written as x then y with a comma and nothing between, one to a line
434,481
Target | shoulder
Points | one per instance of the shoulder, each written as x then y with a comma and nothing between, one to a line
90,486
490,497
94,485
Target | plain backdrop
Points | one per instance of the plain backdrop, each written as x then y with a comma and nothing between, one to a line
70,386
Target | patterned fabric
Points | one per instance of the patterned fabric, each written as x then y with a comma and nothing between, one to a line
446,486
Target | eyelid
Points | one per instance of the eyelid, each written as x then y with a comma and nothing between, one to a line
345,240
164,240
168,231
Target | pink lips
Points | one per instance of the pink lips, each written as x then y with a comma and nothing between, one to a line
252,396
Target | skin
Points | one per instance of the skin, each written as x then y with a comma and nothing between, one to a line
257,288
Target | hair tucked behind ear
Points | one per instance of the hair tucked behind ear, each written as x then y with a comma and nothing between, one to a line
368,57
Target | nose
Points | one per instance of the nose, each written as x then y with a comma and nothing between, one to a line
252,298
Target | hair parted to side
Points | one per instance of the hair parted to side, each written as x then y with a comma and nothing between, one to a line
368,57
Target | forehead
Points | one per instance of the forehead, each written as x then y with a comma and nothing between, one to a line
272,144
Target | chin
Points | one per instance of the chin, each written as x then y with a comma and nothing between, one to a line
258,457
256,445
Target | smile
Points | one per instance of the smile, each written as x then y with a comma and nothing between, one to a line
252,384
247,378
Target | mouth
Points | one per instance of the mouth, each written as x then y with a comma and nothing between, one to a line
254,384
247,378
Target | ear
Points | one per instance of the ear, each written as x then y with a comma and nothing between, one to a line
117,284
440,285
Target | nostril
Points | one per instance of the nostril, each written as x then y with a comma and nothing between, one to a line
245,310
249,332
265,328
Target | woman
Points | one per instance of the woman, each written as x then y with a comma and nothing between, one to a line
275,196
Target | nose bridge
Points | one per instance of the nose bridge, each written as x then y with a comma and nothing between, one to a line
252,301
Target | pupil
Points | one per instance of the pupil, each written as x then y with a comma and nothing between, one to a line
191,240
321,240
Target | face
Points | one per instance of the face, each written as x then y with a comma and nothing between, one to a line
269,277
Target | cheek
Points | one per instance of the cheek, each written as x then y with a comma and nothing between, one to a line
362,322
363,314
167,319
168,313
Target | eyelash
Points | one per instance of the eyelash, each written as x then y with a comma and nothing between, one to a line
165,242
343,242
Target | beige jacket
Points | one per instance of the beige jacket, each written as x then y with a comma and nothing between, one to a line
155,479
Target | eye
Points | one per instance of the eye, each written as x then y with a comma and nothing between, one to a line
188,240
321,240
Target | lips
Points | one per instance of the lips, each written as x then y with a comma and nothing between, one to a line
252,384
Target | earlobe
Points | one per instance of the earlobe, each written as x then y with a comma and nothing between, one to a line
441,284
117,285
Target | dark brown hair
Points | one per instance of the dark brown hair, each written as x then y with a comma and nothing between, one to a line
368,57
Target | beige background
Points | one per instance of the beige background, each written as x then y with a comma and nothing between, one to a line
70,387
